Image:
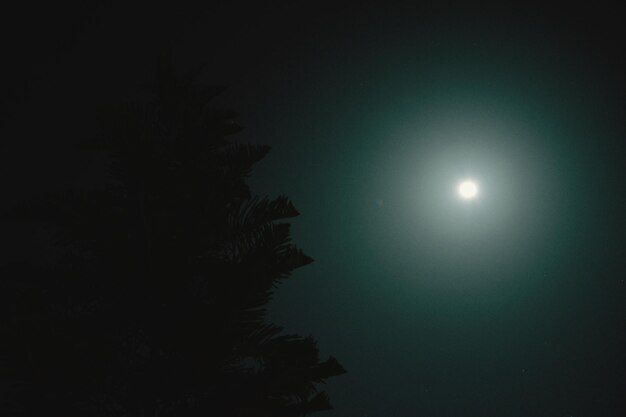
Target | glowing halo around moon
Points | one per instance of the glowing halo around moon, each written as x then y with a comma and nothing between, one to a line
468,189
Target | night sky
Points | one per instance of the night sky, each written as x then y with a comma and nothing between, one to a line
512,304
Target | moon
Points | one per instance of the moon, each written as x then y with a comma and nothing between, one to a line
468,189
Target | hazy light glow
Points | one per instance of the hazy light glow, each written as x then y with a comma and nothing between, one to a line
468,189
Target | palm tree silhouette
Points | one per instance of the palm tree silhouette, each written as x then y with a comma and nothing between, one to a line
157,307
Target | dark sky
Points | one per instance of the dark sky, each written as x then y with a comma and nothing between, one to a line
512,305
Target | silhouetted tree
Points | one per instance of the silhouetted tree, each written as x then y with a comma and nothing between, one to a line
157,307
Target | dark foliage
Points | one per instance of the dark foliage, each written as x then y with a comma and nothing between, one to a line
157,307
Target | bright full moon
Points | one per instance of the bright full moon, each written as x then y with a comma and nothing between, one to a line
468,189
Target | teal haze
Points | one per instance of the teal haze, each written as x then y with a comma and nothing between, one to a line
511,305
